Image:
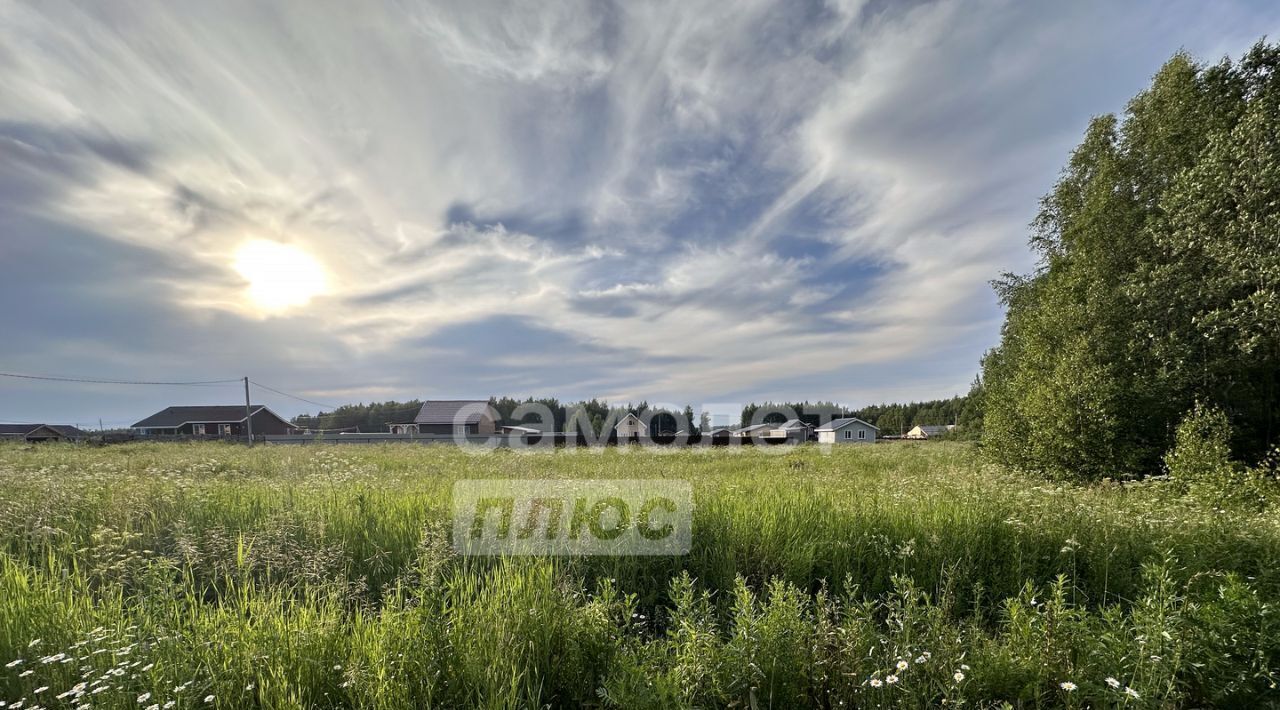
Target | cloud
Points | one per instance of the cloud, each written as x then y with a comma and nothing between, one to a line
678,201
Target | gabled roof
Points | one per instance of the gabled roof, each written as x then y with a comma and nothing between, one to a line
754,428
838,424
794,424
450,411
173,417
69,431
64,430
627,416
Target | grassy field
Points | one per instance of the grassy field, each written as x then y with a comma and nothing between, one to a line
903,575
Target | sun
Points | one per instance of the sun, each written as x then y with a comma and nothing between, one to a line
280,276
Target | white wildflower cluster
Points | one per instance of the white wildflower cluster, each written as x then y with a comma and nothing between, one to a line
91,654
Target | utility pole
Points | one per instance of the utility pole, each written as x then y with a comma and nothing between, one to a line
248,412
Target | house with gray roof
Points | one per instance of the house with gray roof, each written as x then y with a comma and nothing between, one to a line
793,430
847,430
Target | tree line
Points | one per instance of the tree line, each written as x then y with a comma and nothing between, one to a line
892,419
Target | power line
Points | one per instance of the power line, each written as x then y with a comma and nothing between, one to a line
292,396
54,378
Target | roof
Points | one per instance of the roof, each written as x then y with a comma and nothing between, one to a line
173,417
64,430
931,429
793,424
838,424
448,411
754,427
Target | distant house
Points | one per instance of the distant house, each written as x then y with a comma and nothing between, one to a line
41,432
212,421
630,427
456,417
928,431
407,428
849,430
516,430
719,435
793,430
752,432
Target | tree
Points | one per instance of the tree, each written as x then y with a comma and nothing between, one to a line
1156,283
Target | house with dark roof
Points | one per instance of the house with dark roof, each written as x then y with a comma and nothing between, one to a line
212,421
41,432
848,430
463,417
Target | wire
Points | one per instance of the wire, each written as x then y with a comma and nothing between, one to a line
292,396
52,378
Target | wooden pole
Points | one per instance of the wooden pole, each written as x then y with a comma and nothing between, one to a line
248,412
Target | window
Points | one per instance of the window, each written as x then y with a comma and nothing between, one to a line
862,433
197,429
848,434
224,429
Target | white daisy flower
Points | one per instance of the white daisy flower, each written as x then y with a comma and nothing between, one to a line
1067,685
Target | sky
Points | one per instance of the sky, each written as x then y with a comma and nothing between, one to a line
678,202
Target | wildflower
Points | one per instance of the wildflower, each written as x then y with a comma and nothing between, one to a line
144,698
891,679
208,698
25,673
40,690
250,686
148,667
1131,692
11,664
876,683
168,705
959,676
902,665
153,706
337,666
1067,685
34,643
1113,682
920,660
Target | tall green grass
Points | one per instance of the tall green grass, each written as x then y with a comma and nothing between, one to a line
324,577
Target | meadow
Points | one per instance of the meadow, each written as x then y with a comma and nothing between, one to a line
898,575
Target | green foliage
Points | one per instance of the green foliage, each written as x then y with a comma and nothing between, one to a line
1200,462
1157,282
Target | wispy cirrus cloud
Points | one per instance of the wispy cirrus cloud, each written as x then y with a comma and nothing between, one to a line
679,201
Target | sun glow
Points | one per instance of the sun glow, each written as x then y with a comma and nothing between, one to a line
280,276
